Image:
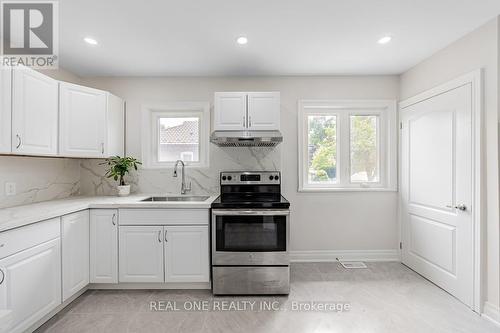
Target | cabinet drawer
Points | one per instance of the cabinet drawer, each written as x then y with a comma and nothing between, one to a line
163,216
16,240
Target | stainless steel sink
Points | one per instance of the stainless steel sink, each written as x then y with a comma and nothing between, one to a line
177,198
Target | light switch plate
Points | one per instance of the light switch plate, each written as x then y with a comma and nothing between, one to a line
10,188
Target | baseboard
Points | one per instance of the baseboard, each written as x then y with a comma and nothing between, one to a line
491,312
347,255
118,286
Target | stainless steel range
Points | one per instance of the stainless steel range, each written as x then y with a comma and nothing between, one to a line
250,235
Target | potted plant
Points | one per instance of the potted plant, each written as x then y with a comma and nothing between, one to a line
117,168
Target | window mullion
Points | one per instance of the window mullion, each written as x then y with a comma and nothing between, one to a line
345,149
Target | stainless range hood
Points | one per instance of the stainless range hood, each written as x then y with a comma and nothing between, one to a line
246,138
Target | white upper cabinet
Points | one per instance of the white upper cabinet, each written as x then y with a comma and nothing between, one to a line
75,253
115,130
5,110
34,113
236,111
82,121
263,111
230,111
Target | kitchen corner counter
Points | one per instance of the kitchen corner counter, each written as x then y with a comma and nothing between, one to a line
19,216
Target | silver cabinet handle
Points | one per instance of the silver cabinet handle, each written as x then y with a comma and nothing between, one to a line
3,276
166,236
244,121
102,148
461,207
249,121
19,141
113,219
159,236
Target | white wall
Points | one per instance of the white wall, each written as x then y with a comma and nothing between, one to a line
320,221
478,49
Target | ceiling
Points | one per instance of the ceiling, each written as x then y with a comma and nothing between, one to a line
285,37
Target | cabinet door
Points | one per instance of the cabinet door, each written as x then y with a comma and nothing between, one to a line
230,111
75,253
5,110
30,285
82,127
103,246
115,130
141,254
264,111
34,113
186,254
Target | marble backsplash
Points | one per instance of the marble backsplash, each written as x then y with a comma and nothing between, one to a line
161,181
38,179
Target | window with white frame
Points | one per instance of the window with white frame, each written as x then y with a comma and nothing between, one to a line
347,145
176,131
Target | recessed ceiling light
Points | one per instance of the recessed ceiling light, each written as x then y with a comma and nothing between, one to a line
242,40
90,40
385,40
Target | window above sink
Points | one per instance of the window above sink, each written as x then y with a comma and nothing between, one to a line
175,131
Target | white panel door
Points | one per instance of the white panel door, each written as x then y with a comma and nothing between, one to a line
436,165
186,254
141,254
35,109
115,129
31,285
5,110
230,111
264,111
75,253
82,127
103,246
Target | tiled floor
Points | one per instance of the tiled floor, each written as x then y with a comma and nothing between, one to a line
386,297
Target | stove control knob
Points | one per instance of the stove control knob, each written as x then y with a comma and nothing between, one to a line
229,178
223,177
276,177
271,177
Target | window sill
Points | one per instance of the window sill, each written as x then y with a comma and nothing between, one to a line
347,189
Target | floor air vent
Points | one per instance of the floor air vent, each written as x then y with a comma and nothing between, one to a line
352,264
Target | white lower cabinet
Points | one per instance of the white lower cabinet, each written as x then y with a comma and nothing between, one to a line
30,280
186,254
141,254
164,245
75,253
103,246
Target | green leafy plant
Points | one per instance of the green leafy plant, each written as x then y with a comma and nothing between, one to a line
119,166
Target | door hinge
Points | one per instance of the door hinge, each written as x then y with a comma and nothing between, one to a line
400,245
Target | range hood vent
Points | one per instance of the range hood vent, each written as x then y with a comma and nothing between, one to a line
246,138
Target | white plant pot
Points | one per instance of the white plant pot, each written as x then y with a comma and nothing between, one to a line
123,190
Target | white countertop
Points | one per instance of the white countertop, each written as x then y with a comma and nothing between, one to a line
19,216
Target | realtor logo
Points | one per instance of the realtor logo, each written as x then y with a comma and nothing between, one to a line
29,33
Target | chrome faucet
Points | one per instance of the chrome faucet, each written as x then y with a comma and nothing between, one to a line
184,188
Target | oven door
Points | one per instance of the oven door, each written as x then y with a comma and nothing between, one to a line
250,237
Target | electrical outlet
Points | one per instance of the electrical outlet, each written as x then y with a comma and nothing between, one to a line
10,188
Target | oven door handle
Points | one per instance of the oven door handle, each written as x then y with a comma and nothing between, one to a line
251,212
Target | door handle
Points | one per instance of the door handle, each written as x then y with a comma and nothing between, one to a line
166,236
113,219
3,276
244,121
19,141
159,236
249,121
461,207
102,148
